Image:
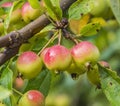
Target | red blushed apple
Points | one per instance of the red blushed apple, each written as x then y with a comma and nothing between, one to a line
16,14
29,64
29,13
32,98
85,52
57,58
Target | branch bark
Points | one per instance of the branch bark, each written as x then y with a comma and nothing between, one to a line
14,39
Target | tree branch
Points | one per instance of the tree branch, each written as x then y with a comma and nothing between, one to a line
14,39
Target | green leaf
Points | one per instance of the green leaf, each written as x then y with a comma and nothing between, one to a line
54,10
115,6
110,84
80,8
41,82
40,42
34,3
4,93
90,29
15,5
6,81
6,78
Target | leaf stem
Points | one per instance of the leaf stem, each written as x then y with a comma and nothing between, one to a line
59,36
50,40
17,92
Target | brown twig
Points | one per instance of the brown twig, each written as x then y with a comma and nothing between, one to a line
25,33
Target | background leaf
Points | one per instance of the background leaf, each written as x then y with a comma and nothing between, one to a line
80,8
6,81
90,29
4,93
54,10
34,3
41,82
110,84
115,6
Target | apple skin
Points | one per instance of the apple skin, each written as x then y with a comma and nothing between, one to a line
19,83
16,14
29,13
57,58
85,52
32,98
29,64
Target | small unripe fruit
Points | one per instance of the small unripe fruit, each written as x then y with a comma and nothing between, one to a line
85,52
32,98
29,13
104,64
16,14
57,58
19,83
29,64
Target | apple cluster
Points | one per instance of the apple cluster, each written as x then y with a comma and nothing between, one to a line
59,58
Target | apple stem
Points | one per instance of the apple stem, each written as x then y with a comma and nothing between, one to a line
17,92
50,40
59,36
50,19
67,35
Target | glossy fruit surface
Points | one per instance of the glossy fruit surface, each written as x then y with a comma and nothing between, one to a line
32,98
57,58
85,52
29,13
29,64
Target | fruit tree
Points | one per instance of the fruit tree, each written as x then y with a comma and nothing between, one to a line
59,52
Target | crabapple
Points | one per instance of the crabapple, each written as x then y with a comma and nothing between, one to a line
57,58
29,13
19,82
16,14
85,52
29,64
32,98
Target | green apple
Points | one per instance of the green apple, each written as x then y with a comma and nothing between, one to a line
29,64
